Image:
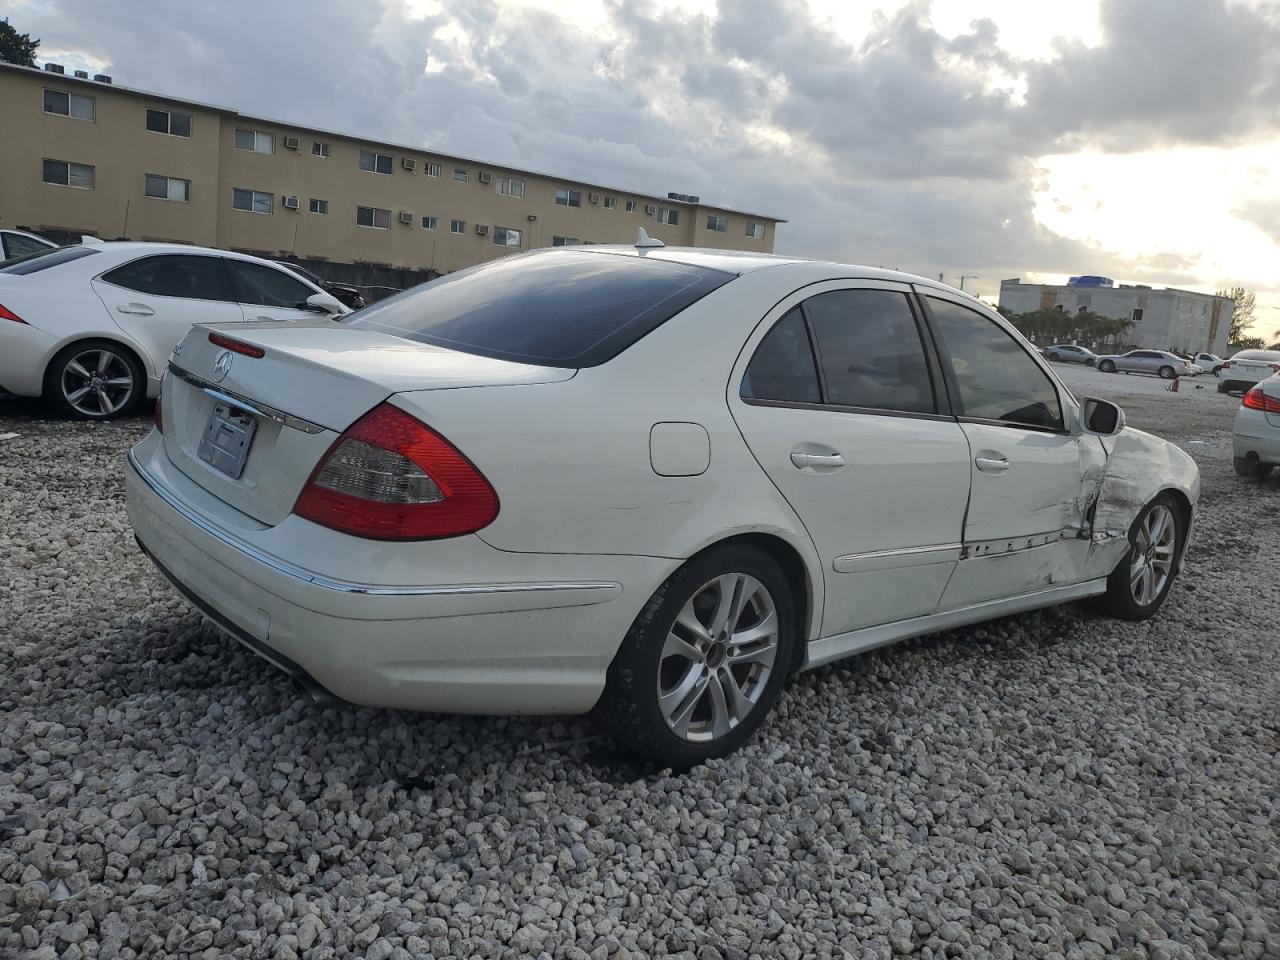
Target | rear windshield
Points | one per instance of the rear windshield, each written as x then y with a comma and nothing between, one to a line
35,262
561,308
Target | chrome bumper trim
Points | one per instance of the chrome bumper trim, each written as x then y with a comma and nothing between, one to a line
346,586
253,406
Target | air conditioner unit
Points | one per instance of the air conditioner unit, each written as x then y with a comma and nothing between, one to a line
102,78
486,177
651,210
82,74
406,217
593,198
290,203
409,163
482,230
532,217
54,68
291,143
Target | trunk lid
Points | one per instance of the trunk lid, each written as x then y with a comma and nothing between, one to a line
318,377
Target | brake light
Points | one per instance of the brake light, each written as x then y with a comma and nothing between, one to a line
7,314
236,346
1226,363
391,477
1257,399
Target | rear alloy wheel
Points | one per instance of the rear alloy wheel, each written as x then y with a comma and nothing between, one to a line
1167,373
1055,357
705,660
1107,366
1138,586
94,380
1252,467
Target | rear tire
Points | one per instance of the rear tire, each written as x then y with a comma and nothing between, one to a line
1107,366
1139,584
705,660
1167,373
1055,357
94,380
1252,467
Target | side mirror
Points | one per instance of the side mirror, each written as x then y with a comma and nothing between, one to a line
1102,417
326,303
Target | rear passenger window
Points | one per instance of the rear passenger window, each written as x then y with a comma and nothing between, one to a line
179,275
869,350
782,368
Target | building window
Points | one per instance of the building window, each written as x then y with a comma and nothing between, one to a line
167,188
375,162
506,237
428,223
318,206
431,169
568,198
69,105
565,241
460,174
510,187
374,217
718,224
755,231
458,227
631,206
610,202
68,174
172,122
252,201
1137,315
668,215
255,140
321,149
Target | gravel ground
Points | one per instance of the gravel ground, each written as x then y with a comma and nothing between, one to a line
1049,785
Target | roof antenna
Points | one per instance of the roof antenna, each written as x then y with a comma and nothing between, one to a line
643,240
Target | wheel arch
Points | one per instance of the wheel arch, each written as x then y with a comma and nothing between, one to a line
138,355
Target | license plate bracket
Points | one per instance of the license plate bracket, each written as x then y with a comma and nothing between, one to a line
227,439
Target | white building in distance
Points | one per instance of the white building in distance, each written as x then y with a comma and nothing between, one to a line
1164,318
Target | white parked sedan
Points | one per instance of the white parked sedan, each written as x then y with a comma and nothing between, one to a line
90,327
1246,368
663,479
1256,437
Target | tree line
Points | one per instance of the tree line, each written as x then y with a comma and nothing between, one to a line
1057,326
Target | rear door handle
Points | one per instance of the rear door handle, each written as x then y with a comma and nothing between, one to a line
991,464
139,309
819,460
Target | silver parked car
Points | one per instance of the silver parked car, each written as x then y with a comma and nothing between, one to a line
1160,363
1070,353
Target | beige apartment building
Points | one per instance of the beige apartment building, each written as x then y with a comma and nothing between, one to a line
84,156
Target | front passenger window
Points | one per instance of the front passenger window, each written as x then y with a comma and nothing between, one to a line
267,286
998,380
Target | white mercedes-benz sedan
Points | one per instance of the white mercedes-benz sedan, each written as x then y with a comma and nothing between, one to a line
660,480
90,327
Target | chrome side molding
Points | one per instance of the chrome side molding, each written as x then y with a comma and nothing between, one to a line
244,403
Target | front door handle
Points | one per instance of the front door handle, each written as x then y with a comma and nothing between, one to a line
991,464
818,460
138,309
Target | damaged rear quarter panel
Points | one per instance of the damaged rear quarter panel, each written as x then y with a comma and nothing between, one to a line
1139,467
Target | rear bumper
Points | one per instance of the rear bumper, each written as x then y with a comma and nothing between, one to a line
24,354
535,635
1255,434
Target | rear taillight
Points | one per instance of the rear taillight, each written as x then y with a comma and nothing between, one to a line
7,314
391,477
1275,367
1225,364
236,346
1257,399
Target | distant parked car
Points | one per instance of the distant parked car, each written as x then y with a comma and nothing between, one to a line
349,295
1160,363
1256,438
1070,353
1208,362
1248,367
91,327
19,243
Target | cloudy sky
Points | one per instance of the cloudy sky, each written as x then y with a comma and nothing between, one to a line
1138,139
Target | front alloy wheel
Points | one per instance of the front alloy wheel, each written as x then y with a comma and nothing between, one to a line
1138,586
705,660
1106,366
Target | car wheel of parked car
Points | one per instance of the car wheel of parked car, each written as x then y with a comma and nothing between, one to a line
1107,366
1055,357
1217,370
1167,373
94,380
1138,585
706,659
1251,467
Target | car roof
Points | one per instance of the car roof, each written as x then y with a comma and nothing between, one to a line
139,247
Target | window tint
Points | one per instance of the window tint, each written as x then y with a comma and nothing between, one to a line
998,380
35,262
266,286
782,367
565,308
16,245
870,351
189,277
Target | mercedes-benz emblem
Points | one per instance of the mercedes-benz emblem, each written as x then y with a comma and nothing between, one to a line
222,365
